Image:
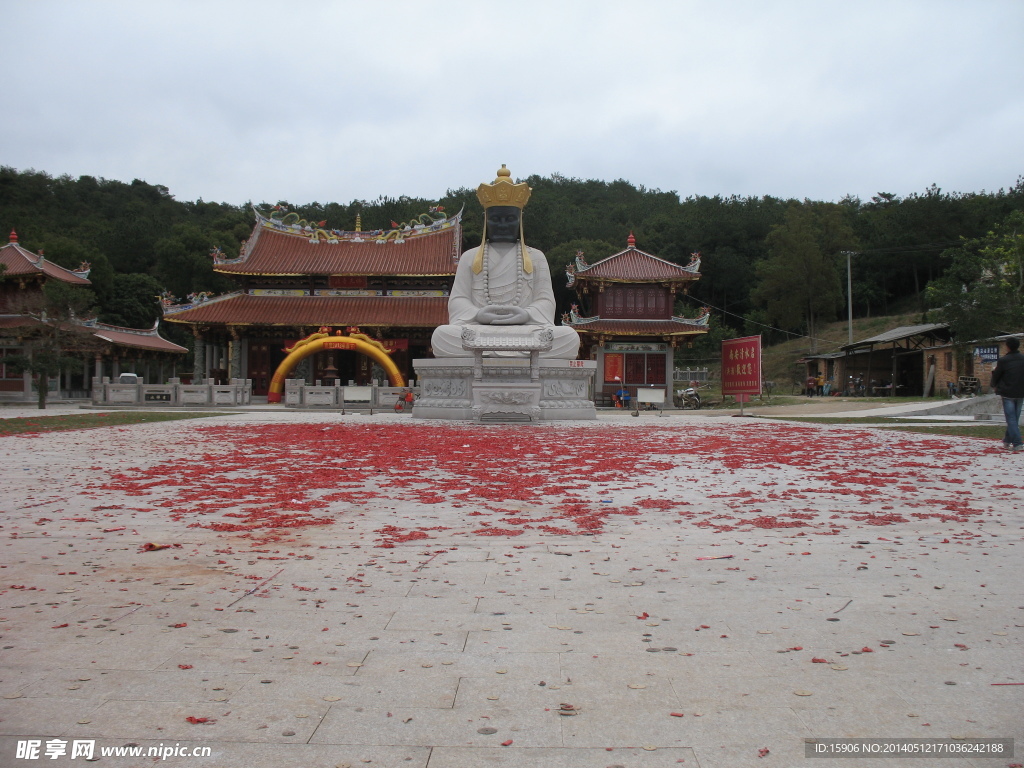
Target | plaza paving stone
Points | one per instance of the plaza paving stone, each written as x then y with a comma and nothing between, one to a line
314,645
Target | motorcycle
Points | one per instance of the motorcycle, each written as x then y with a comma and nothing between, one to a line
688,398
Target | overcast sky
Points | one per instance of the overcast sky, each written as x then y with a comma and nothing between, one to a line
334,101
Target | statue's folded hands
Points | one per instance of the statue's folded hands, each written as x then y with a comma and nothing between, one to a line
502,314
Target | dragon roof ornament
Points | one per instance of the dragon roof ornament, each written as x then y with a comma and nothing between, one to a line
286,222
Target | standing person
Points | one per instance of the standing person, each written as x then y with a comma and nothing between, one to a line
819,383
1008,383
810,385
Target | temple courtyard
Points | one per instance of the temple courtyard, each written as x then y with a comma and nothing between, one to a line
309,589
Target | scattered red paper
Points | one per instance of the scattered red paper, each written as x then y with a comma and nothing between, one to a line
265,486
59,626
198,720
184,666
507,743
763,751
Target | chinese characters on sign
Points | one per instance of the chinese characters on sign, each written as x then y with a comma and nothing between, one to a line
741,366
613,367
987,354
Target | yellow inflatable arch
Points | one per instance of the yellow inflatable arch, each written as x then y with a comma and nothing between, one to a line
319,342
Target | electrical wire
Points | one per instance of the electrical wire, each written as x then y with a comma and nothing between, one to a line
763,325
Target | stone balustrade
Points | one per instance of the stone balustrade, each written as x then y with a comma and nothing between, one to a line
174,394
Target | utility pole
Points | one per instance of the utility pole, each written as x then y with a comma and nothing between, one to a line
849,295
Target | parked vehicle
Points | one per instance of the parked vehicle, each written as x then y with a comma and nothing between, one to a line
688,398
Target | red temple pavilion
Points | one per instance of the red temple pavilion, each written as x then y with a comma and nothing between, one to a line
632,332
296,277
112,349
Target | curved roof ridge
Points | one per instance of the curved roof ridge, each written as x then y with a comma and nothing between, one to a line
175,308
633,260
21,261
154,331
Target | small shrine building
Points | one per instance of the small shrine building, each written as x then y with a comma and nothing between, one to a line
112,349
296,278
631,331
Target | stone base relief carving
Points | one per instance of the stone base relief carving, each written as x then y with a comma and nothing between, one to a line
504,389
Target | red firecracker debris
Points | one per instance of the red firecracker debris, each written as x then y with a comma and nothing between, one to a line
258,491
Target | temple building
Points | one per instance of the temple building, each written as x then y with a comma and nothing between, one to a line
296,277
111,350
630,329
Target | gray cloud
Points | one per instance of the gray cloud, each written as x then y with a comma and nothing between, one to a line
336,100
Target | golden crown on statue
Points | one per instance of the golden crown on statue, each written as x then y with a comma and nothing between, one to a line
503,191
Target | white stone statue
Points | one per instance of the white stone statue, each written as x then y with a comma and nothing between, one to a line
503,289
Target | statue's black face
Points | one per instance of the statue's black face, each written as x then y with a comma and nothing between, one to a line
503,224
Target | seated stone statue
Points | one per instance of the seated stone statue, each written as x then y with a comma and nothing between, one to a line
503,288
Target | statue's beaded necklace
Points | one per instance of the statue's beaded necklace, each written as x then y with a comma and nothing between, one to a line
519,279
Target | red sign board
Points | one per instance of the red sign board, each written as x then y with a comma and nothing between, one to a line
613,366
741,366
338,344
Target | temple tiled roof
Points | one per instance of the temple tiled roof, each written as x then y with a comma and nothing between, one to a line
243,309
673,327
17,321
21,261
135,337
279,249
636,266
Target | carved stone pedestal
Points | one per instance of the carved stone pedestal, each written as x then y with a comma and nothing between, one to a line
504,389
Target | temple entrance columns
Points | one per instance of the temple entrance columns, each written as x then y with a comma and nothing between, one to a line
199,358
235,346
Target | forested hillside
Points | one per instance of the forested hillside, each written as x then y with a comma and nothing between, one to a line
766,261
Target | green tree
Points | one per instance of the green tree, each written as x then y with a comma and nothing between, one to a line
133,301
564,254
56,339
981,293
799,283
